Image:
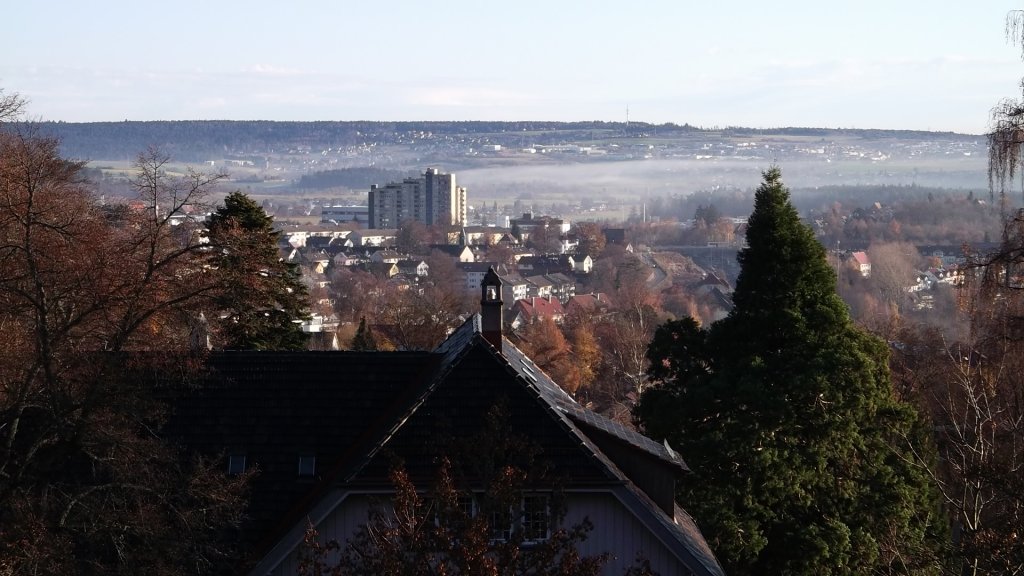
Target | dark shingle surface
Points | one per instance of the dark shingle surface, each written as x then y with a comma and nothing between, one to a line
556,397
275,407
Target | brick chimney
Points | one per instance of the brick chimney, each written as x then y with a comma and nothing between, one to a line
491,308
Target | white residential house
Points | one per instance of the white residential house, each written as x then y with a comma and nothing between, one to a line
513,287
414,267
386,256
861,263
582,264
381,237
343,259
319,323
459,252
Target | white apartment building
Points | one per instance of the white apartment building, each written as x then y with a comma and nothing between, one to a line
433,198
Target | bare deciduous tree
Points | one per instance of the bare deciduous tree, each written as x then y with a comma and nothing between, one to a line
893,270
11,106
86,484
974,393
1006,137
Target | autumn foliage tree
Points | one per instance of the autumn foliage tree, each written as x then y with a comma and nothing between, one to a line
586,352
545,344
590,239
86,484
420,317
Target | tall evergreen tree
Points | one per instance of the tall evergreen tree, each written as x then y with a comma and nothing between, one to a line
364,338
262,299
786,413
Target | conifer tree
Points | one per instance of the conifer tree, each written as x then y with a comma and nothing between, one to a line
262,300
785,412
364,339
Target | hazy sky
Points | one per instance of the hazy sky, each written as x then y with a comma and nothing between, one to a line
931,65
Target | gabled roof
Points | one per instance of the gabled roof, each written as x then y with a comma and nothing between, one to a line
588,303
455,250
349,408
325,242
558,400
534,308
382,269
512,280
547,260
559,279
271,407
540,281
387,253
480,267
411,263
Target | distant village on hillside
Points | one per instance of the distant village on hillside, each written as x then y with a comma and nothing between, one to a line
547,272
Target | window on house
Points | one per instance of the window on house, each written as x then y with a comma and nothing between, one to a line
501,525
530,518
307,466
236,464
467,504
465,511
536,518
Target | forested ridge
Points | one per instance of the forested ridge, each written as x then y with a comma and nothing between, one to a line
197,140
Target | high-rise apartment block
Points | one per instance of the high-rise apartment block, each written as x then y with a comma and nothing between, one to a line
433,198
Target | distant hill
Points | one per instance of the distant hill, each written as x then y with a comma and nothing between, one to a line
198,141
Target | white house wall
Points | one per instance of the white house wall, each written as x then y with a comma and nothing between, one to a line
616,530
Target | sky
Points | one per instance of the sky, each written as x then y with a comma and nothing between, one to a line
891,64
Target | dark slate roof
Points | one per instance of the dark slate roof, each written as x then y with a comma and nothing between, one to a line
539,281
273,407
690,534
558,399
324,242
559,279
474,266
546,264
450,249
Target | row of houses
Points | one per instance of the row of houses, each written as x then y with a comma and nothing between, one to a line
537,309
934,277
517,232
555,277
321,251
